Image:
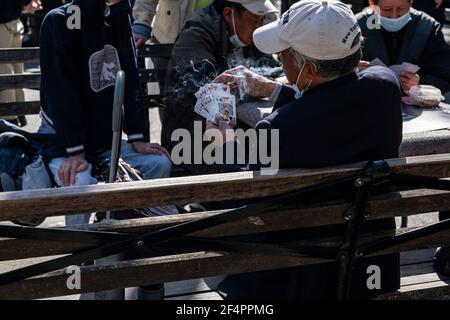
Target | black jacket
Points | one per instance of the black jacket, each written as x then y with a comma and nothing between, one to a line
201,52
78,75
422,43
353,118
10,9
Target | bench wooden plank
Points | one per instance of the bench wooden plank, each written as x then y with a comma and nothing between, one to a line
284,219
19,55
152,75
155,50
179,267
19,108
146,272
20,81
218,187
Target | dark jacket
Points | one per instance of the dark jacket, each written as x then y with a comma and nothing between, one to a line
10,9
343,121
421,42
201,52
78,75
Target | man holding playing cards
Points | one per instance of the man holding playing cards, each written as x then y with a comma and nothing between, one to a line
213,40
329,115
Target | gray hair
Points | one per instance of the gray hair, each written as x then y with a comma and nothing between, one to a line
329,69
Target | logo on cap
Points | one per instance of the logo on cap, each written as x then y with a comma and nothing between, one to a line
352,29
286,17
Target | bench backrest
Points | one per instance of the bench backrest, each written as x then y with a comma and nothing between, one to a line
191,264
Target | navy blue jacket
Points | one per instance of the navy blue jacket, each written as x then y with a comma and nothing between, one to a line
78,75
10,9
353,118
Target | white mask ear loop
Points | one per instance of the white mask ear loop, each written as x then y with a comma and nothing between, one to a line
300,73
232,19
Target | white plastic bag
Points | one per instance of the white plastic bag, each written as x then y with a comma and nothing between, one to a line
425,96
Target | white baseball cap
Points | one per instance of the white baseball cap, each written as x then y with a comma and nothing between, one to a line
258,7
319,29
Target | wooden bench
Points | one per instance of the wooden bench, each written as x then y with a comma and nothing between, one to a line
202,250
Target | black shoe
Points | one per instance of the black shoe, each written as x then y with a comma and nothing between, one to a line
153,292
442,260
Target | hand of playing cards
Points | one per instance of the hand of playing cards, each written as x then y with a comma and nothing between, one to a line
215,100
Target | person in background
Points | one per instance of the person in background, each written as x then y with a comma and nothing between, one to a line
79,68
163,20
11,30
435,8
213,40
407,35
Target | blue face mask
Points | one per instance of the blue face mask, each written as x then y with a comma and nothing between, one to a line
394,25
234,39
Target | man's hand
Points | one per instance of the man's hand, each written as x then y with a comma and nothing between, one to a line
139,39
363,65
242,79
68,170
408,80
33,6
438,3
149,148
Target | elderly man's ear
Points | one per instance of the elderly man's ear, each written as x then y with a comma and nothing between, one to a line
226,13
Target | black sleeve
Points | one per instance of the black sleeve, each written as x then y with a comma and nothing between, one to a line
60,84
134,113
435,62
192,65
24,3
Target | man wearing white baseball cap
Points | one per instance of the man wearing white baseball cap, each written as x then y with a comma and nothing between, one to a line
210,40
332,115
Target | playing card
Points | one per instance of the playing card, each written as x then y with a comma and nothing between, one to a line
215,100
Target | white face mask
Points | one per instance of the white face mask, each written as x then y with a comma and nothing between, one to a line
234,39
298,92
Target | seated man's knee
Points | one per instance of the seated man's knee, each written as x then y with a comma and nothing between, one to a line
159,167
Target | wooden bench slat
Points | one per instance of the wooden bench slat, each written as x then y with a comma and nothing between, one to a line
19,108
304,216
19,55
20,81
218,187
146,272
155,50
166,269
152,75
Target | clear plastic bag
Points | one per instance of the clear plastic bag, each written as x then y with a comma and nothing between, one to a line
425,96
